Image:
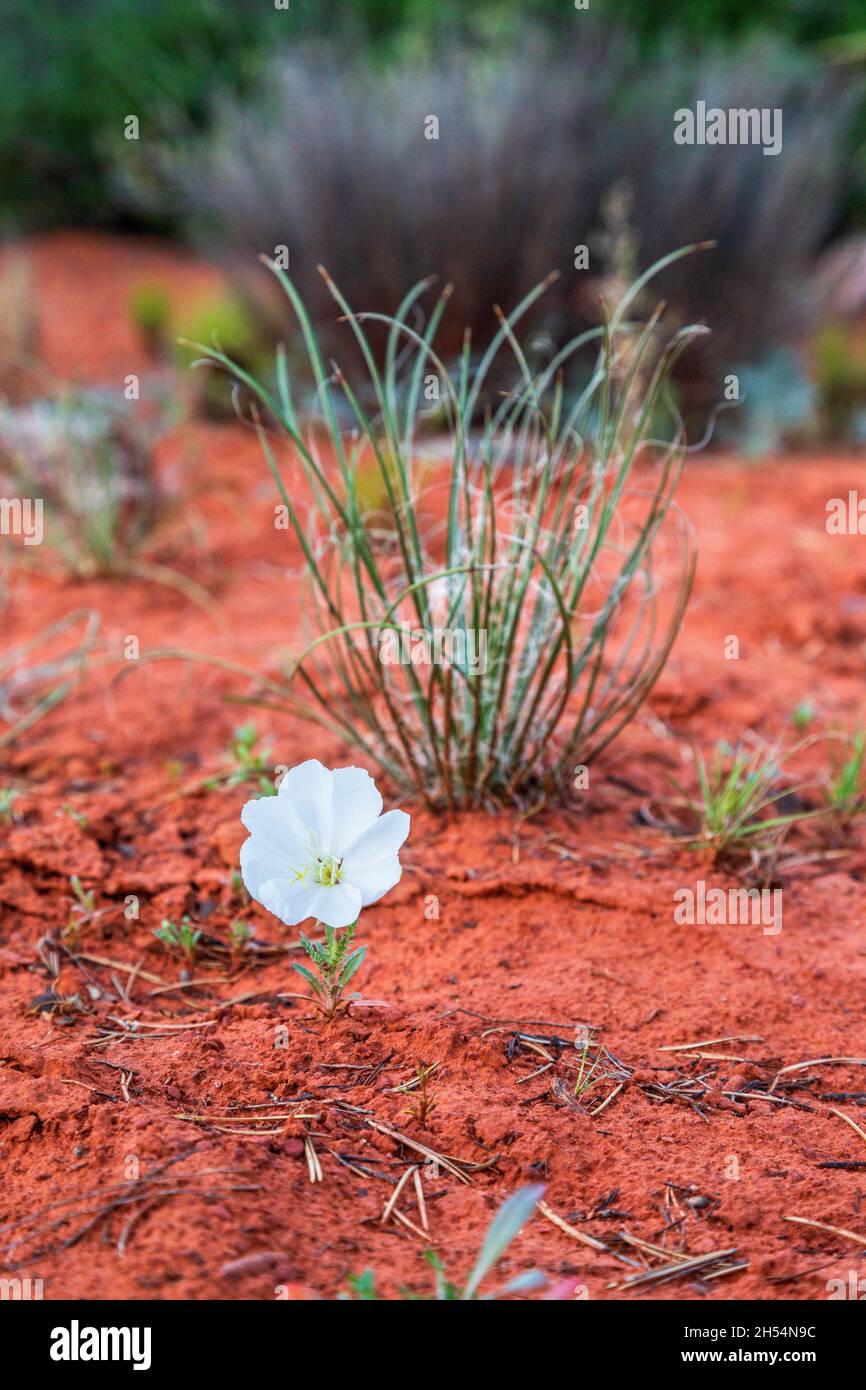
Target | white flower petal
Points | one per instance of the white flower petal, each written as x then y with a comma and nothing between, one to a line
355,804
291,900
258,864
384,836
337,905
277,830
371,864
306,791
375,879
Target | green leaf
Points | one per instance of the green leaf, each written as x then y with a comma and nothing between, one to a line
309,976
352,964
511,1217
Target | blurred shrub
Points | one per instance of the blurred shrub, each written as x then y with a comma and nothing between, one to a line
69,75
91,461
805,21
331,161
150,309
224,321
840,369
779,404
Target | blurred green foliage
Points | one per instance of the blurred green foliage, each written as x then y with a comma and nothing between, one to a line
840,368
70,73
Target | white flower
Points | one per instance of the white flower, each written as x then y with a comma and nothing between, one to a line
321,847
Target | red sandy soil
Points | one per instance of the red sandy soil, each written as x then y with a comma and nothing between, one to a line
545,925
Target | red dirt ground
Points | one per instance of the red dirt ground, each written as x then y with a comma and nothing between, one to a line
544,925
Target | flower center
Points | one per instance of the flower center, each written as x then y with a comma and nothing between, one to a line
327,871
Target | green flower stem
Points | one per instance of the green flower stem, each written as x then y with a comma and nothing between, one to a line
335,962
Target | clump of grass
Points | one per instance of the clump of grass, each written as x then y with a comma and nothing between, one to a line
91,461
846,789
506,1225
245,762
739,791
89,456
179,937
543,598
586,1072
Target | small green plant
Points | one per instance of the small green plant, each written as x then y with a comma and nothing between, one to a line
419,1087
240,936
586,1074
363,1287
182,937
225,321
83,911
246,762
334,962
845,789
803,715
8,797
506,1225
150,309
840,364
90,457
738,791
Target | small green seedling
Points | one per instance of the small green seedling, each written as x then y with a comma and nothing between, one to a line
506,1224
845,791
246,762
804,715
8,797
738,789
424,1103
183,937
83,911
150,309
586,1074
240,935
335,961
363,1287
